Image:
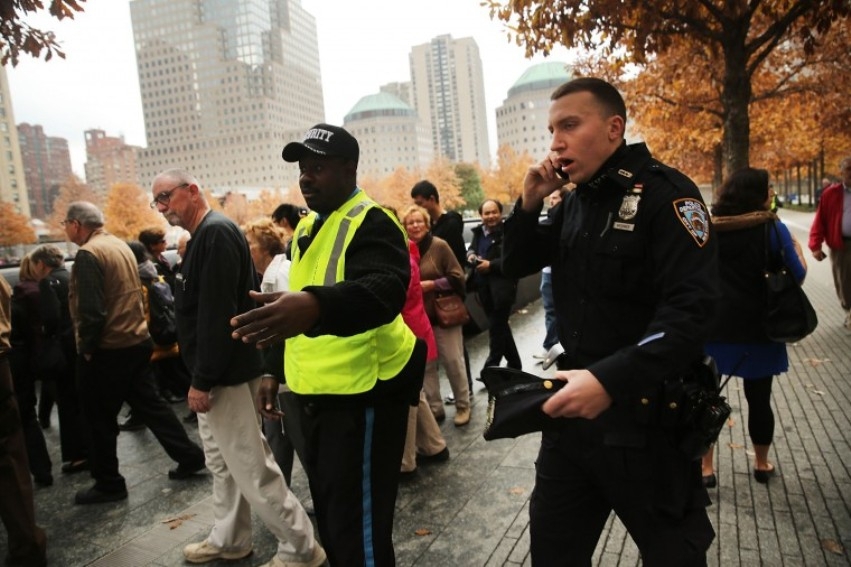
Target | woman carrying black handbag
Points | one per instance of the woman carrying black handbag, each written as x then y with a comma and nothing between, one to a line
744,227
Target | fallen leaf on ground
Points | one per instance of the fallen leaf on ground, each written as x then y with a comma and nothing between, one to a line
731,422
819,392
832,546
517,490
735,446
177,522
423,532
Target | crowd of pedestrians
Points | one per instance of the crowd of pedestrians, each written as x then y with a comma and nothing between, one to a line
315,333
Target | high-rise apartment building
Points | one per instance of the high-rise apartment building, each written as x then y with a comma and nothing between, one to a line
225,85
390,135
449,96
13,188
521,121
47,164
109,160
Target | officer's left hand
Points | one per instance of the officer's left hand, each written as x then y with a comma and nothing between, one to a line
285,315
582,396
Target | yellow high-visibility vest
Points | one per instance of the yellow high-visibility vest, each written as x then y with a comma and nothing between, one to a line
340,365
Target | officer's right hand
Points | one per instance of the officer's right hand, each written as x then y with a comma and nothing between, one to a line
582,396
541,180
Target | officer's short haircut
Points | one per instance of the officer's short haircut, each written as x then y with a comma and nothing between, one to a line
606,94
426,190
85,213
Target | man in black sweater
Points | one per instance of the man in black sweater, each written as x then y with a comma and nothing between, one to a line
211,287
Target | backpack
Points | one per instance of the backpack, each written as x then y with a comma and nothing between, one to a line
162,323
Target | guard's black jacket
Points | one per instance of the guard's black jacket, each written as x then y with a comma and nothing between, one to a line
634,295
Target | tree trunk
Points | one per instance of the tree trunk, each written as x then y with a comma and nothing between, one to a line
735,100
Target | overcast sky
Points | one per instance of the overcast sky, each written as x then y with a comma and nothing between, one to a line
362,45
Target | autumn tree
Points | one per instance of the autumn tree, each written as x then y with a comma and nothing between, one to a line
15,228
471,184
128,211
235,207
442,173
17,37
393,190
504,182
737,36
265,203
72,189
798,100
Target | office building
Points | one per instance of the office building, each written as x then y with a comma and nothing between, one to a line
13,188
521,121
390,135
47,164
109,161
225,85
449,96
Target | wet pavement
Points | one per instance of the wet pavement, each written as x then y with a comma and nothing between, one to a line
473,509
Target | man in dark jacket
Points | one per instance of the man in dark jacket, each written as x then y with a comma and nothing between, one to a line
634,281
211,287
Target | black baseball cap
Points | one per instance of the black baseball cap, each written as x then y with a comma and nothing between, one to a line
323,140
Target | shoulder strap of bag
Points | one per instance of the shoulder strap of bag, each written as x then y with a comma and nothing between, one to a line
768,263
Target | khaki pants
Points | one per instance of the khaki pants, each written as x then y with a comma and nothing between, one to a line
423,436
450,353
246,477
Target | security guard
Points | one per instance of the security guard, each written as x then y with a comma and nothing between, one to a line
634,282
354,365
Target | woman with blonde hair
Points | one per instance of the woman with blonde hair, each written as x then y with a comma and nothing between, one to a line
440,272
267,243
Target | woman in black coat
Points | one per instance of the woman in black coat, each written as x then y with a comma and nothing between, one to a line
497,292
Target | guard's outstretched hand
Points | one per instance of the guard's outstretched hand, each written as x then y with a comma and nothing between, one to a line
284,315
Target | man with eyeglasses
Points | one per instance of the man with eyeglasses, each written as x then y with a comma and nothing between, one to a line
114,347
211,287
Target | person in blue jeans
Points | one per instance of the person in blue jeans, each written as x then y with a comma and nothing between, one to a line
551,338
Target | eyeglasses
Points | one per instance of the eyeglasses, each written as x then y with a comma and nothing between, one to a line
165,197
66,222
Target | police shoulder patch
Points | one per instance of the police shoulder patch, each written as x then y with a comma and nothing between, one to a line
692,213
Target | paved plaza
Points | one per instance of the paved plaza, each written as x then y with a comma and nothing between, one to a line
473,509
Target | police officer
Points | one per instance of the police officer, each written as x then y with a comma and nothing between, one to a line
634,282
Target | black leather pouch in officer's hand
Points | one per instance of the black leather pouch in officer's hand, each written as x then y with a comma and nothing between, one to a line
514,402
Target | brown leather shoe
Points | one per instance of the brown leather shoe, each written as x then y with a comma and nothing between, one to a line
462,416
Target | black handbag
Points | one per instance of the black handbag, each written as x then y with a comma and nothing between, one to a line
789,316
514,402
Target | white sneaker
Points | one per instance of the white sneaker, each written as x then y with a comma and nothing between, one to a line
541,355
318,559
204,552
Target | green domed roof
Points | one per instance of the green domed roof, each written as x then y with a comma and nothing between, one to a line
542,76
379,104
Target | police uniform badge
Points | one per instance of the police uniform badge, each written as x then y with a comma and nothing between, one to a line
629,206
692,213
